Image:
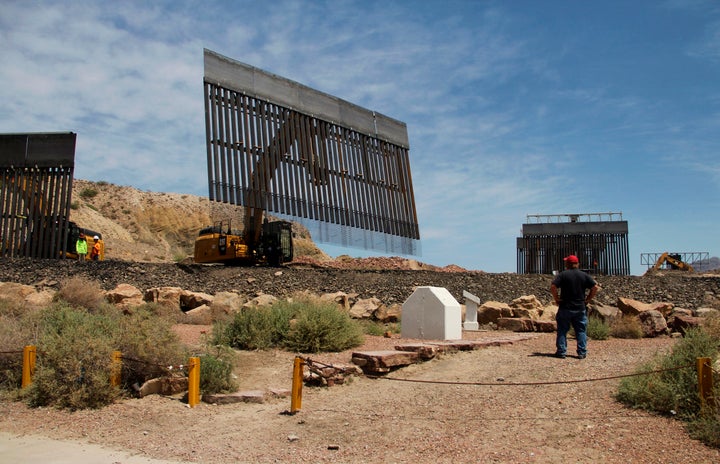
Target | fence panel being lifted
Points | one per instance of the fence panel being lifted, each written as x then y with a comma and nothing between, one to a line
274,145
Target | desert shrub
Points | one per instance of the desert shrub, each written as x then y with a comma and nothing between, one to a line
216,374
74,353
88,193
82,293
256,328
706,427
674,389
148,345
73,362
598,329
301,324
376,328
322,327
711,325
626,327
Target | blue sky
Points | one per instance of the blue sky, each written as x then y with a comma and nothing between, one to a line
513,107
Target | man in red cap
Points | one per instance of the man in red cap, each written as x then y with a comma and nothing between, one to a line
568,290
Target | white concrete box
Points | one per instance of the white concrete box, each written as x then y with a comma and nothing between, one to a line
431,313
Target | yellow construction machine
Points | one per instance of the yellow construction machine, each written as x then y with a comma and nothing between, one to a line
268,243
673,261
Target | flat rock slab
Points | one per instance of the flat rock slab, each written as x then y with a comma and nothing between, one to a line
425,351
383,361
250,396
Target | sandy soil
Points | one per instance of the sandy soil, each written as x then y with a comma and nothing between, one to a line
509,403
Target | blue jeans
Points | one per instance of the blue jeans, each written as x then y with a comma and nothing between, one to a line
579,321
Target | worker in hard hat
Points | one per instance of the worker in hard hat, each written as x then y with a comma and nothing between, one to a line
95,252
81,247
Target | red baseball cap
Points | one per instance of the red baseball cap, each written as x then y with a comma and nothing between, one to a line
572,259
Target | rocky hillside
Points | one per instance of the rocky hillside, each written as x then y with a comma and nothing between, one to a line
156,227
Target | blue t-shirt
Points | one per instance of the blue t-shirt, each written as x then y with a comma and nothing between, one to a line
572,284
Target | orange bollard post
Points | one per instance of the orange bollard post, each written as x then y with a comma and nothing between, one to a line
193,381
116,369
705,381
296,395
29,355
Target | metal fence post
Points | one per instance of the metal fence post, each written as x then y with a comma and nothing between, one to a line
296,396
116,369
705,382
193,381
29,355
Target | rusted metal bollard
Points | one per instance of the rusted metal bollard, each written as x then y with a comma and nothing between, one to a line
705,382
193,381
116,369
29,356
296,395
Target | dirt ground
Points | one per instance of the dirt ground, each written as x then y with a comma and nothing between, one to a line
508,403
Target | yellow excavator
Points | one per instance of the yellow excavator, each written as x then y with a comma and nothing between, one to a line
269,243
674,262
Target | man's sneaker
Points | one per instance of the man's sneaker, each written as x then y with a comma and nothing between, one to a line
560,355
582,356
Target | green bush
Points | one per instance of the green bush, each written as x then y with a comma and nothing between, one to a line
302,324
148,345
672,389
258,328
216,374
598,329
706,427
73,360
322,328
88,193
378,329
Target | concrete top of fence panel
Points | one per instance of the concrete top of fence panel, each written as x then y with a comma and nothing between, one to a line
250,80
38,149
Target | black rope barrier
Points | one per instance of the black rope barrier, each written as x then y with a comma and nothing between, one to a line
517,384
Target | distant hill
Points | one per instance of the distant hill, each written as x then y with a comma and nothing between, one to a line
710,265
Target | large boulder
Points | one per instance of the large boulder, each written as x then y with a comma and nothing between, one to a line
225,304
491,311
15,292
344,300
548,313
605,313
125,296
631,307
191,300
387,314
365,308
202,315
516,324
261,300
680,322
166,296
653,323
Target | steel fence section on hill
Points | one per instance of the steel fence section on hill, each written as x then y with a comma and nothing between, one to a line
36,172
602,247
